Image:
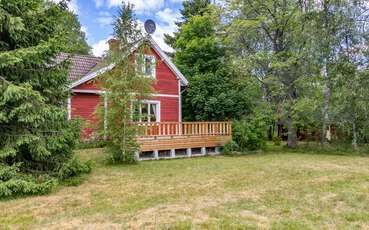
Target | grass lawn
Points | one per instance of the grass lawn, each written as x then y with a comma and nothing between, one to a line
259,191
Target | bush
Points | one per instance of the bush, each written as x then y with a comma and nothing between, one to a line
8,172
90,144
249,135
19,187
13,183
231,147
74,167
277,141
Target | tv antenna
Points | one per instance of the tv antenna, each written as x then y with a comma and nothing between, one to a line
150,26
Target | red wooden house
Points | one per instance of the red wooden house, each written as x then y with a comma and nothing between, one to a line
163,111
165,104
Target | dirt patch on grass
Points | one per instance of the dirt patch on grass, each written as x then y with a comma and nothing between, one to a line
194,210
77,223
262,221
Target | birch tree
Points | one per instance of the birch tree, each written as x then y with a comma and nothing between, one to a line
126,88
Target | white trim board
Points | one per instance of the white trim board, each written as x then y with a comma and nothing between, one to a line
91,76
69,107
155,46
164,95
88,91
103,92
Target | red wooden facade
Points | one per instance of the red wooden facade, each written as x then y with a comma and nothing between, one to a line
167,97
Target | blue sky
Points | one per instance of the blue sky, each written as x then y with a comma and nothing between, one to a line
96,17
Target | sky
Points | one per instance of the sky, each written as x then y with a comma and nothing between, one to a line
97,16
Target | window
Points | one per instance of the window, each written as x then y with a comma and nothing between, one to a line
146,65
148,111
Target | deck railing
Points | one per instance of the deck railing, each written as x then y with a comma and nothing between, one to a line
152,129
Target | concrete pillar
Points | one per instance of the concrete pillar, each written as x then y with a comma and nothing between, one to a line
189,152
217,150
156,154
173,153
203,151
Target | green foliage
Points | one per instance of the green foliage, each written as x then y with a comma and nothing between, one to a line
198,51
74,167
250,133
127,86
277,141
189,9
231,147
214,91
21,187
219,96
91,144
35,134
293,49
13,183
8,172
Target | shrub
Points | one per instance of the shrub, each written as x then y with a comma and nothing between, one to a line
277,141
231,147
8,172
249,134
13,183
74,167
90,144
18,187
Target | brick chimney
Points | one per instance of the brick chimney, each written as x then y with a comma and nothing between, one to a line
113,44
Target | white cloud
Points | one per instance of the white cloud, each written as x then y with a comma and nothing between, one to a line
99,3
73,6
99,48
104,13
168,16
140,6
104,21
166,25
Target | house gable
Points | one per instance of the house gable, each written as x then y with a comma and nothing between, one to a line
166,81
160,56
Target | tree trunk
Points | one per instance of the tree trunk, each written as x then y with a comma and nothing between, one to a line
326,102
354,136
291,138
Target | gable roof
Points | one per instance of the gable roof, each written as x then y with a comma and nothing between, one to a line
80,64
91,75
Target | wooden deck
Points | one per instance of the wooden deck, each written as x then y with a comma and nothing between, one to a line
182,139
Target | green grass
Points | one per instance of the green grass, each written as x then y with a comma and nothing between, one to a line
279,190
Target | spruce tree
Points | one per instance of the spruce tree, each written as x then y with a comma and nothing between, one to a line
35,133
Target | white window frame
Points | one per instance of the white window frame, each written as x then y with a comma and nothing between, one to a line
143,67
150,102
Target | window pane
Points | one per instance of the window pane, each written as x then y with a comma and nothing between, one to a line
148,65
144,112
153,112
